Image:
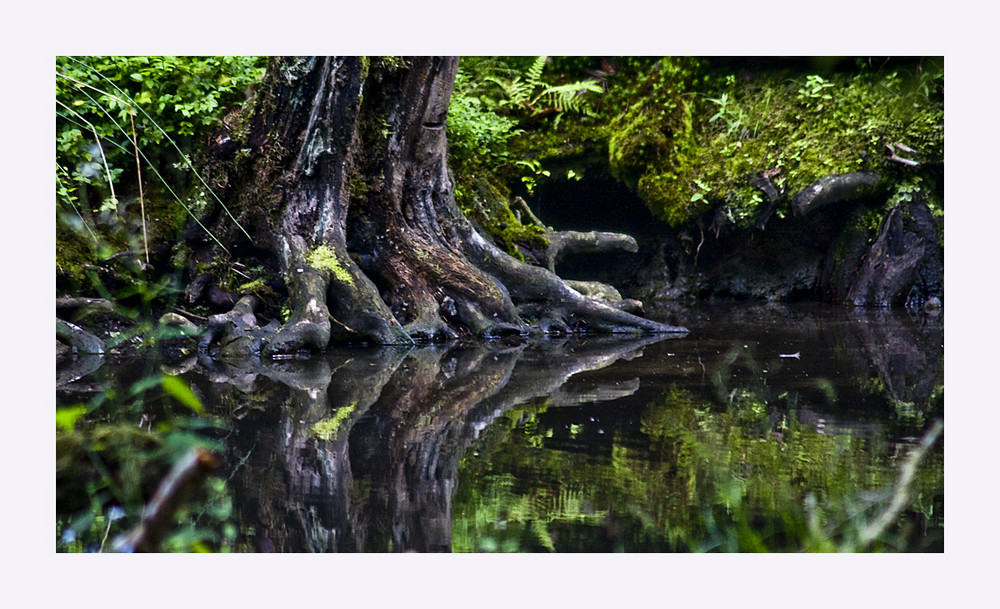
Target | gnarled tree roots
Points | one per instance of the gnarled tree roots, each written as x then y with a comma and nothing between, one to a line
352,195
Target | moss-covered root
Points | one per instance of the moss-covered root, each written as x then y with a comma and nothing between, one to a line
356,310
78,338
234,331
834,188
542,295
308,327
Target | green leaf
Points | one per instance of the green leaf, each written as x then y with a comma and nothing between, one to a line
180,391
135,76
66,418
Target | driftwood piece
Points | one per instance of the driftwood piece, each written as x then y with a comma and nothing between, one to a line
174,490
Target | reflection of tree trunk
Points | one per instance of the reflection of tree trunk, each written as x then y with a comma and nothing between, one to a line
909,358
295,479
371,463
419,413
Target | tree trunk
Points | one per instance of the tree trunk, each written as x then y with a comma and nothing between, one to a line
346,183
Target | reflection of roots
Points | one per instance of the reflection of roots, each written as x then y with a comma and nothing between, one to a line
367,453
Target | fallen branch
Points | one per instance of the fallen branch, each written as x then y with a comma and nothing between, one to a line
157,516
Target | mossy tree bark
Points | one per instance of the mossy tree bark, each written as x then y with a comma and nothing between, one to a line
347,184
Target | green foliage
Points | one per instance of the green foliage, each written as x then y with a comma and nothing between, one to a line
107,467
479,152
796,130
119,116
180,391
477,135
741,471
182,94
530,92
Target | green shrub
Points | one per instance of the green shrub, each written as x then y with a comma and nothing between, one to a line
100,100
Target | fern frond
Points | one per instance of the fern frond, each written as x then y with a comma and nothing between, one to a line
534,74
520,91
529,91
516,91
569,96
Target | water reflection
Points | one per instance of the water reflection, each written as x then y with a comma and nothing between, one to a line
641,444
367,457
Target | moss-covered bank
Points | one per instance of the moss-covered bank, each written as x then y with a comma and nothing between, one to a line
724,147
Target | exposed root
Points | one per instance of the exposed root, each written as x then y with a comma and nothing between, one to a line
565,243
308,327
79,340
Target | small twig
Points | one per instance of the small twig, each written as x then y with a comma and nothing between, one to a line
899,159
700,243
190,314
142,204
103,541
519,202
243,275
342,324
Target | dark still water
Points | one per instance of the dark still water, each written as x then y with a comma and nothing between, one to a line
778,428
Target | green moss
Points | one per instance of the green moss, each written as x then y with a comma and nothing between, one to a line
485,201
258,287
687,145
689,137
322,258
326,429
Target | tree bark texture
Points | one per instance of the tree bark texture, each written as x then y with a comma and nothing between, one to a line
346,183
